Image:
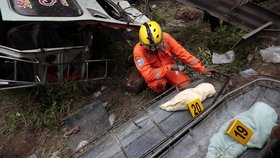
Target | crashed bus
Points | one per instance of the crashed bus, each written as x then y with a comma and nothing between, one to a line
47,41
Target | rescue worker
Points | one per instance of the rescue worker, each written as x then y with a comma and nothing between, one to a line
153,57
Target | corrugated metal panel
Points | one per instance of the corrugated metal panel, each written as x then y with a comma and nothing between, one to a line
240,13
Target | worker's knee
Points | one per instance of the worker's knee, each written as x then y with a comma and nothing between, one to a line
157,85
180,79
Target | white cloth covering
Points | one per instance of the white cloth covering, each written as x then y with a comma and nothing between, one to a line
260,118
179,101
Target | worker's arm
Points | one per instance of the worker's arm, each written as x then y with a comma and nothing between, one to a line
149,73
181,53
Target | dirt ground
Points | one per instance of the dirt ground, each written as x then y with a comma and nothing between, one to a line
120,102
22,144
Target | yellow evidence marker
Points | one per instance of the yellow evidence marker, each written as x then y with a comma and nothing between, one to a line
195,107
240,132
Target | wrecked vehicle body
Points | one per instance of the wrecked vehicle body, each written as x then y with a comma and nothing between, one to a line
153,132
46,41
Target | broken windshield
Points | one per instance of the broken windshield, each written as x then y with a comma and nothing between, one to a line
52,8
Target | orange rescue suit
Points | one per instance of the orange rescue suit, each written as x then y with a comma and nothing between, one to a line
155,67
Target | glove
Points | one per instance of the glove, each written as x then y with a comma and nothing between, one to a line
174,67
209,71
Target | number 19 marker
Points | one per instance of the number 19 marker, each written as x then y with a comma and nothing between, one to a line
239,132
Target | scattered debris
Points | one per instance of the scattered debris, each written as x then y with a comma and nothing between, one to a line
32,156
81,144
103,88
97,94
181,67
177,23
55,155
188,14
228,57
154,6
269,69
250,57
105,104
74,130
18,114
112,119
271,54
248,73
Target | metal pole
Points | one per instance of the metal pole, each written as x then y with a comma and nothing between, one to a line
15,70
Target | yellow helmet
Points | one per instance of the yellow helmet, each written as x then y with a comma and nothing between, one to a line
150,35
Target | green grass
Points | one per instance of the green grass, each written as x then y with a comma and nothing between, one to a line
203,44
42,106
